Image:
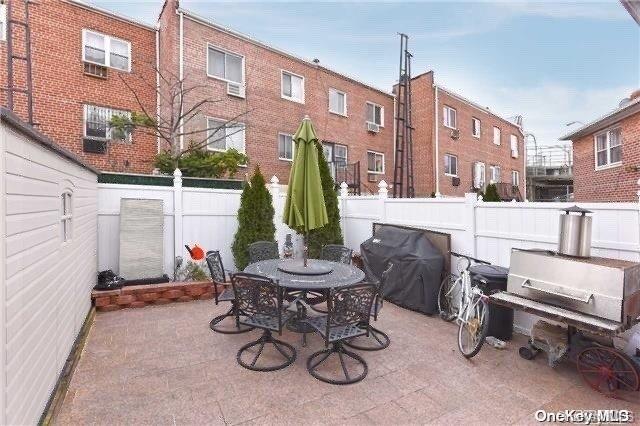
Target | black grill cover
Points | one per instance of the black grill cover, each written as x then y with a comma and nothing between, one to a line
418,265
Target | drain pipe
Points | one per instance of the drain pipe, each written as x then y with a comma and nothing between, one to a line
437,156
181,74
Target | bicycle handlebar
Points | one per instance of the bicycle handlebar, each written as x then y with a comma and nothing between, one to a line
453,253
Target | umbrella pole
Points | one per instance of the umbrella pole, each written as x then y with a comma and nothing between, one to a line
305,254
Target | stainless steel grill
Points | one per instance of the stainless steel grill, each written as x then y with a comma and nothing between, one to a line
607,289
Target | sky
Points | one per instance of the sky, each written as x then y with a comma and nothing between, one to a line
551,62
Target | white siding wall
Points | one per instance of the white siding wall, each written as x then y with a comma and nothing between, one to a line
46,283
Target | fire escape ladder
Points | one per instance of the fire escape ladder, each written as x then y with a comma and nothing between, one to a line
13,58
403,158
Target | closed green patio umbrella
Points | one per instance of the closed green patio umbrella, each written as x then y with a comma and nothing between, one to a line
304,209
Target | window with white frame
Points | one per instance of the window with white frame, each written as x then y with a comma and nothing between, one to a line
337,102
496,135
340,154
449,116
375,162
285,146
609,147
475,127
225,65
515,178
97,125
292,87
105,50
375,114
223,135
495,174
478,175
3,21
450,165
66,215
514,146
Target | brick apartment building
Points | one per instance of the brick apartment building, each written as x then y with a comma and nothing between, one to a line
460,146
606,155
79,54
267,92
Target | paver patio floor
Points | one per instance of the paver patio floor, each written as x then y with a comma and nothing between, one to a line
163,365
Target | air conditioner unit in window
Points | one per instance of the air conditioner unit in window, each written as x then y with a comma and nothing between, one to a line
236,89
373,127
373,177
514,153
95,70
95,146
455,134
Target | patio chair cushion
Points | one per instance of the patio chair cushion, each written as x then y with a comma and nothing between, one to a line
227,295
335,333
269,322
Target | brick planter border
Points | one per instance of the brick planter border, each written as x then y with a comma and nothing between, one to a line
139,296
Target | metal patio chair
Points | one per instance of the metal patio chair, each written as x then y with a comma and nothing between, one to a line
336,253
347,317
375,339
263,250
260,299
218,276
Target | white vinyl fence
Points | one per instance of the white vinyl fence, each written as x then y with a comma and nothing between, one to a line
481,229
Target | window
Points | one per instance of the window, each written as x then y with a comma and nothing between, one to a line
478,175
496,135
3,21
340,154
375,114
105,50
225,65
514,146
449,117
450,165
375,162
495,174
66,215
609,147
223,136
515,178
292,87
285,147
337,102
475,127
96,123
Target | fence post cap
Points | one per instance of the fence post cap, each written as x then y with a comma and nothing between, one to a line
177,172
275,180
382,184
480,199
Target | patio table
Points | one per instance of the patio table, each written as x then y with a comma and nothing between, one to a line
319,277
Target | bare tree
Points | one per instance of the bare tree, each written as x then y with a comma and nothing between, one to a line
170,125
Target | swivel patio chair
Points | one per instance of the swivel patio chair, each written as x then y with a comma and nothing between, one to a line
347,317
336,253
218,276
260,299
263,250
375,339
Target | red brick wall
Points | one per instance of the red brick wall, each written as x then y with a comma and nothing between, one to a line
61,88
467,148
470,149
423,147
612,184
267,113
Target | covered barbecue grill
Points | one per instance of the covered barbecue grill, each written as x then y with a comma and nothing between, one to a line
419,264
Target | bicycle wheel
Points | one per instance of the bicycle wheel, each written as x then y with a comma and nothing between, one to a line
474,327
447,306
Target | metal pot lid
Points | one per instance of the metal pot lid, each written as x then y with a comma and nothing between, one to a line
490,271
576,209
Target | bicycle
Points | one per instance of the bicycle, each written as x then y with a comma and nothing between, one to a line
459,299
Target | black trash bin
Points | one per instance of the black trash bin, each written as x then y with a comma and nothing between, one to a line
500,318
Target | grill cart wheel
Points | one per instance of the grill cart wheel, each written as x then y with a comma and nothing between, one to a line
607,370
528,352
